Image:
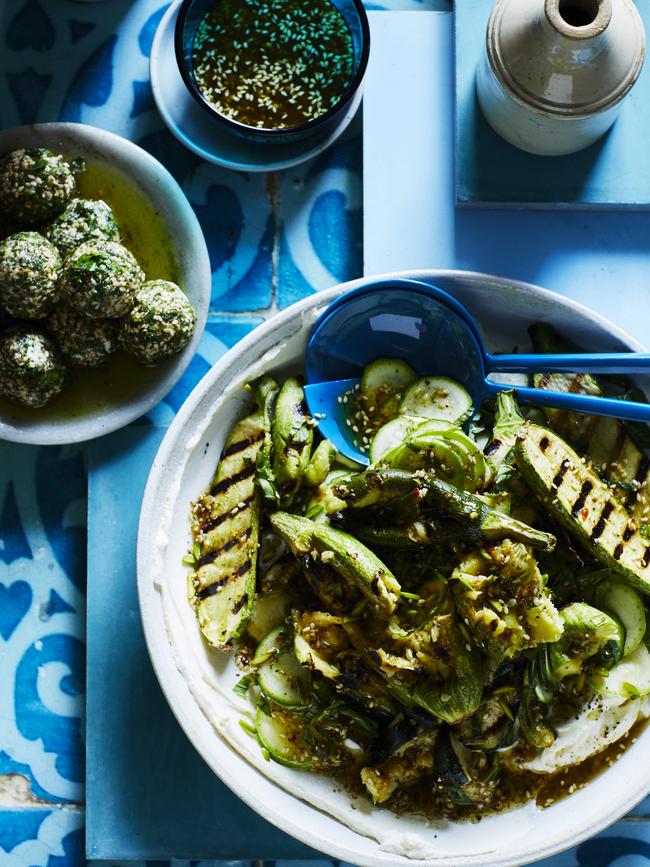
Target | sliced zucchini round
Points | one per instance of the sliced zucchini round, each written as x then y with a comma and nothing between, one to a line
345,464
625,603
386,373
476,471
437,453
390,436
279,674
630,677
269,610
279,733
433,426
438,397
382,387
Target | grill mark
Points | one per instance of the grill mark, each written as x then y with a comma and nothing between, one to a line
211,556
222,486
618,550
492,447
237,607
213,523
585,490
628,532
212,589
640,476
576,383
544,443
559,476
240,445
646,557
597,532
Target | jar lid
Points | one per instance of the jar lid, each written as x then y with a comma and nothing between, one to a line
566,57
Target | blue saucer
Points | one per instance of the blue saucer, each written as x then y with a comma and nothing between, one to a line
200,133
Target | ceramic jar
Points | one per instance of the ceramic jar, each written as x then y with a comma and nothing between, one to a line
555,72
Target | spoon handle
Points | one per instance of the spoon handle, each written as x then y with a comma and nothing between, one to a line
623,409
582,362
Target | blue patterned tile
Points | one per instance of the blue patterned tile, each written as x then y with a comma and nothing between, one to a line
30,28
42,573
320,220
177,862
231,331
41,838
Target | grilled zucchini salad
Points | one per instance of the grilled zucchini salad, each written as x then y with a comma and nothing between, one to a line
456,629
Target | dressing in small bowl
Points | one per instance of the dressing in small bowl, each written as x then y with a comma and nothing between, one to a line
273,70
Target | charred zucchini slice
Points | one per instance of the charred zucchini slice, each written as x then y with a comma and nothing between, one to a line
226,529
583,504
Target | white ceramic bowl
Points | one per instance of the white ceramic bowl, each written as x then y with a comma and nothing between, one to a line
198,683
133,166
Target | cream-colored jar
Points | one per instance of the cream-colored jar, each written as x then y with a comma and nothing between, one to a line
555,72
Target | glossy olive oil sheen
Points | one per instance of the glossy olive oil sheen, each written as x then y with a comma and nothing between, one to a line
93,391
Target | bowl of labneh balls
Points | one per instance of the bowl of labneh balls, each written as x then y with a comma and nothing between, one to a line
104,283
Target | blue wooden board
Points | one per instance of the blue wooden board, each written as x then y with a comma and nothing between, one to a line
611,173
149,794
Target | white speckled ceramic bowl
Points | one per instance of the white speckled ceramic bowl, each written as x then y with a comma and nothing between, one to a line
198,683
129,164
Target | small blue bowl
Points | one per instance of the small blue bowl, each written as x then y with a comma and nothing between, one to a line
190,14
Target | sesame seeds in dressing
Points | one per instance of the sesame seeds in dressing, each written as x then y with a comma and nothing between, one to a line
272,64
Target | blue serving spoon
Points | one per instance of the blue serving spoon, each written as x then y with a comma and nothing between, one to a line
435,334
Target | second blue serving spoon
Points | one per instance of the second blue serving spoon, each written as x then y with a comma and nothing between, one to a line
436,335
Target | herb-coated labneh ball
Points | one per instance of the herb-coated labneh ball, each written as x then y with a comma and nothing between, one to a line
83,341
100,279
31,370
35,185
29,272
83,220
160,323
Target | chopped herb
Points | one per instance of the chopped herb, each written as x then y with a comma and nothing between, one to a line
243,684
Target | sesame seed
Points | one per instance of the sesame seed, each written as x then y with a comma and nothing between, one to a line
272,64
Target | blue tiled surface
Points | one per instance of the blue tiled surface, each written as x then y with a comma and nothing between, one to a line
272,240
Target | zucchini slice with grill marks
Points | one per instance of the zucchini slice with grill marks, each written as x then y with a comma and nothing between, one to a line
608,445
226,526
293,435
583,504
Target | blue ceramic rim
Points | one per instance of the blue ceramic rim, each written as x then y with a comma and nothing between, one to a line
243,129
427,289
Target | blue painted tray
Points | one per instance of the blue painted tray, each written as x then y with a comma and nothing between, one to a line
149,794
612,173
